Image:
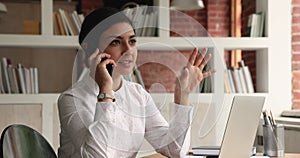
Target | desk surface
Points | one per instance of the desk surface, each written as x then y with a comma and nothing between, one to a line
287,155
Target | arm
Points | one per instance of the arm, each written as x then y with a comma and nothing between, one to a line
172,139
88,130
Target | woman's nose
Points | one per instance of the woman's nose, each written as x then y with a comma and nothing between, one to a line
126,48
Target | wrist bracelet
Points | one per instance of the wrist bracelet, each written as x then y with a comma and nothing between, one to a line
113,99
103,96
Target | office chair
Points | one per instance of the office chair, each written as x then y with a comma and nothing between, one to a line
21,141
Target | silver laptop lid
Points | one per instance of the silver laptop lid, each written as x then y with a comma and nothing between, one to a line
241,126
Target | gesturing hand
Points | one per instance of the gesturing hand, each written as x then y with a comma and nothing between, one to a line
191,76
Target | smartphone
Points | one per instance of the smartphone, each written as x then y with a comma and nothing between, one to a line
109,67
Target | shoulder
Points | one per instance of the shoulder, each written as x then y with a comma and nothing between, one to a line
81,90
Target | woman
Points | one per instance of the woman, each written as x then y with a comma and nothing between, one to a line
104,115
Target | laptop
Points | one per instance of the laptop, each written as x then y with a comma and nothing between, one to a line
241,127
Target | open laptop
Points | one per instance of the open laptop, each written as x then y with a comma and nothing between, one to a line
241,126
240,129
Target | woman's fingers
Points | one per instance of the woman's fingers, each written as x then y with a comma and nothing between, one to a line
204,62
209,73
193,56
98,58
96,52
200,57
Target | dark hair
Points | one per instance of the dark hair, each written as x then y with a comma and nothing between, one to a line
96,23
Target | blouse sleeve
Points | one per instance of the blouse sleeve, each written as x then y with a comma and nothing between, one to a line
88,132
171,139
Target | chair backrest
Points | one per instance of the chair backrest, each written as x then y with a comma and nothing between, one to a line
21,141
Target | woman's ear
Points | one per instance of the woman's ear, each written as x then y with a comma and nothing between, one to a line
84,47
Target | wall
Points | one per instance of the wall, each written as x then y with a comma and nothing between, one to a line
296,53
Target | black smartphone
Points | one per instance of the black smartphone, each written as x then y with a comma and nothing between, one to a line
109,67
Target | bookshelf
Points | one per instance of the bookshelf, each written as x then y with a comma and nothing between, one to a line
273,51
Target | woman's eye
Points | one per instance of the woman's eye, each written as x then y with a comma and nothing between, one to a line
114,42
132,41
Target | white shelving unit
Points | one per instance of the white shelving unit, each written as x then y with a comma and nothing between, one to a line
273,54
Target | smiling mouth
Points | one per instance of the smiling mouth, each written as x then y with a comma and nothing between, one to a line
125,62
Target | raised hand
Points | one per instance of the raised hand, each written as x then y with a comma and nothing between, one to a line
191,75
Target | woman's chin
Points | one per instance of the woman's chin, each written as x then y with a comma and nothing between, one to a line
125,72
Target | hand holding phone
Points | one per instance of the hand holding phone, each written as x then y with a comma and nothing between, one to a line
109,67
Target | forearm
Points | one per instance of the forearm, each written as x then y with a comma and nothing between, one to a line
172,140
181,97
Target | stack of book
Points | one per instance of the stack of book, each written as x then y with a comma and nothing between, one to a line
144,19
66,22
18,79
238,80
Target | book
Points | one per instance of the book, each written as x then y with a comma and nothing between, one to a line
21,79
71,23
12,79
146,24
150,26
61,27
55,25
212,150
247,77
6,84
154,23
65,22
81,18
226,83
206,150
1,81
76,20
140,19
26,74
31,27
242,80
236,80
261,24
255,24
231,83
35,80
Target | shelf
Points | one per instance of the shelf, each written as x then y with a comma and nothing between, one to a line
144,43
34,41
27,98
191,42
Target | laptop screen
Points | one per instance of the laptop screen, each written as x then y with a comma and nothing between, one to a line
241,126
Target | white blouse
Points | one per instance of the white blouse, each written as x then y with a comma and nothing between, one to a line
91,129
